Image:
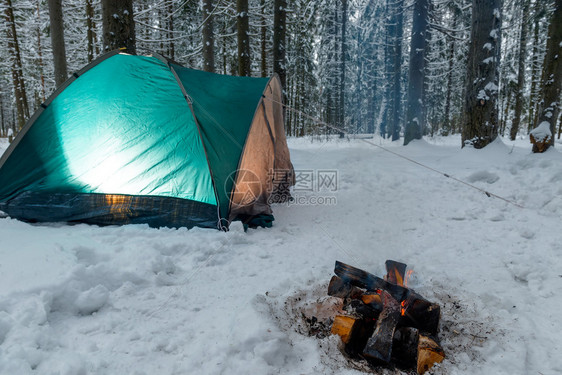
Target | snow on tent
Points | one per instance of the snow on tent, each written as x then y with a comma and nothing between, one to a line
140,139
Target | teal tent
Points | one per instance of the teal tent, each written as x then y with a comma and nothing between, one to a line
141,139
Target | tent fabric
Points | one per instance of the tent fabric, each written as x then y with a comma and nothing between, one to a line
136,139
266,170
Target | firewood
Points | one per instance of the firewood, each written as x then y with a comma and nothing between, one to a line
395,272
365,280
343,326
405,347
371,299
341,289
379,346
429,353
365,311
421,314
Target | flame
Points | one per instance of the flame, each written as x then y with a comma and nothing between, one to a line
408,274
398,277
403,308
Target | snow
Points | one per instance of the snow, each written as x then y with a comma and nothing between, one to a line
542,132
83,299
491,86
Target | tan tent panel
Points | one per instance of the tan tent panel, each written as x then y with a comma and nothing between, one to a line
266,173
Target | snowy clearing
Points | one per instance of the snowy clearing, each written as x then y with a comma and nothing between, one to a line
88,300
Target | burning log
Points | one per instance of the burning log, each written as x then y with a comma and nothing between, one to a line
395,272
388,321
421,314
341,289
371,283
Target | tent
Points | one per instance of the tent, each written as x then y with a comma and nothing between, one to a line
141,139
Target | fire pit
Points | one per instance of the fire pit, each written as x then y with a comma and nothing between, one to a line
383,321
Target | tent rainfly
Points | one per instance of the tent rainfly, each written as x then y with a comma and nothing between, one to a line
141,139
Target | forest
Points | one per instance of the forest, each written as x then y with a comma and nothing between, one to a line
400,68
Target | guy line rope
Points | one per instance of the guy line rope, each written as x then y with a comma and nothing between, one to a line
318,121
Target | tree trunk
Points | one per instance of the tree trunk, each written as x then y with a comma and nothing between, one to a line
551,79
118,25
448,128
397,70
171,45
521,73
57,41
263,32
18,82
481,112
343,57
40,54
90,33
415,108
279,35
208,36
244,63
535,71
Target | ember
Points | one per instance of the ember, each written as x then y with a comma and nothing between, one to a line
383,321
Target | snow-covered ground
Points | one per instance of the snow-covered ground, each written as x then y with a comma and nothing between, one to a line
135,300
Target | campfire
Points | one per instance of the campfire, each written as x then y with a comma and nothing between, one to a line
383,321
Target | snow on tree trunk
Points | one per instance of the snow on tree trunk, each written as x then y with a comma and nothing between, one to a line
208,36
415,108
243,28
552,74
393,56
480,110
118,25
521,71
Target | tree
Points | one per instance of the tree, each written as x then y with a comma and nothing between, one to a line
521,71
415,115
279,31
343,58
480,109
393,55
118,25
551,78
91,33
243,32
57,41
263,40
18,82
208,36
